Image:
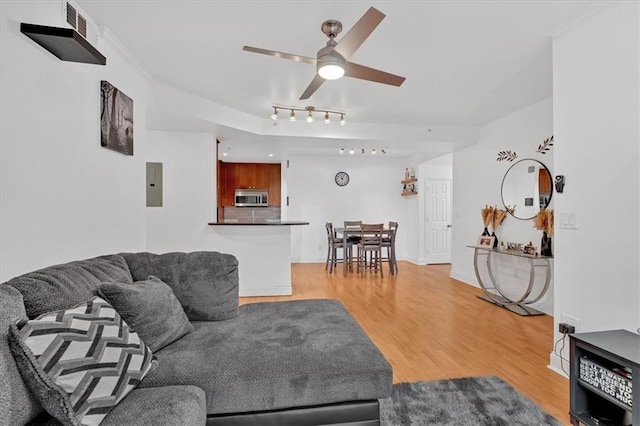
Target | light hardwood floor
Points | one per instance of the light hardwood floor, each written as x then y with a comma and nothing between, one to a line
430,327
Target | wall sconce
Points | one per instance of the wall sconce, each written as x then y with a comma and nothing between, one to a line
310,110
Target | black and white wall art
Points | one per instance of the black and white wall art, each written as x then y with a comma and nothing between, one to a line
116,119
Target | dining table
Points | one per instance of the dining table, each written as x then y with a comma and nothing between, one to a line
353,231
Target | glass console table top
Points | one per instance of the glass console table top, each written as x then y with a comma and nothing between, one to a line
510,252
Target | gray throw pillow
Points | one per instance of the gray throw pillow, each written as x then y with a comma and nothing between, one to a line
150,308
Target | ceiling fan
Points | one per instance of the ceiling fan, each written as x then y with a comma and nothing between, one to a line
332,61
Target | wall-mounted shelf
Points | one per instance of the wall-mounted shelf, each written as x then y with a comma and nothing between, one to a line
65,43
409,187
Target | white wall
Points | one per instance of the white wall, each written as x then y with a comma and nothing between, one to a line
372,195
189,191
596,116
477,180
63,196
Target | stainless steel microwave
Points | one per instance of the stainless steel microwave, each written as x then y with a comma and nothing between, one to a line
251,198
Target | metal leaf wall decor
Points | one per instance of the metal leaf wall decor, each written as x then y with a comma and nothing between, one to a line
545,146
507,155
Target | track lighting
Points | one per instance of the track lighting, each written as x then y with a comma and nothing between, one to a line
326,113
363,151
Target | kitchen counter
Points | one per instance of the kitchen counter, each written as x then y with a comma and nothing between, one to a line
267,222
263,250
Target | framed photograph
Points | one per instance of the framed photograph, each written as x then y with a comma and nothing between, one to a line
486,241
116,119
531,250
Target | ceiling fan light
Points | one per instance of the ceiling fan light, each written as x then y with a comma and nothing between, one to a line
292,116
327,119
331,71
310,118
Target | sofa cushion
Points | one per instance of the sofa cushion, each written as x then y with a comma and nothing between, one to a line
79,363
205,283
150,308
17,404
166,406
62,286
277,355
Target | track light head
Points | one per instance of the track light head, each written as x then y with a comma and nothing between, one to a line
292,116
310,117
327,119
275,113
342,120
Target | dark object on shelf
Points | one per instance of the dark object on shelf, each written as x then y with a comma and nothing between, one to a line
485,232
65,43
545,245
605,369
495,240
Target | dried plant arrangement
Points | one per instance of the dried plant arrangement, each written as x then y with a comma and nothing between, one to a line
544,221
498,218
487,216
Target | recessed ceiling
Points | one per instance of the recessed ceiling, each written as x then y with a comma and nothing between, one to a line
465,62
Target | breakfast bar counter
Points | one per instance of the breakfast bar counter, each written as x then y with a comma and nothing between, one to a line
263,249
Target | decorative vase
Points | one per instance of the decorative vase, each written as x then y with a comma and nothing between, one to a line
485,233
545,245
495,240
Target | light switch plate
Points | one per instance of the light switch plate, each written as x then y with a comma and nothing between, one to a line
568,221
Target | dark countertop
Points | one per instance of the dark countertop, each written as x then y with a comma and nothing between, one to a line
234,222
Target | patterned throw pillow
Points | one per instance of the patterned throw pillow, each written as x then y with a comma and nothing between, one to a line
80,362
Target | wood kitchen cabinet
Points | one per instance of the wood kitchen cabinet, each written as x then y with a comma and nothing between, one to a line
544,181
248,176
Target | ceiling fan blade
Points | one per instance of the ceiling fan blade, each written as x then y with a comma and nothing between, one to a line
372,74
359,32
313,86
282,55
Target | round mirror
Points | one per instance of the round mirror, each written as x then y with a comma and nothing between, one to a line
526,188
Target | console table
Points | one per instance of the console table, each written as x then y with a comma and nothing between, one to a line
493,292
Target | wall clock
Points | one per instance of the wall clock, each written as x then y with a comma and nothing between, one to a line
342,178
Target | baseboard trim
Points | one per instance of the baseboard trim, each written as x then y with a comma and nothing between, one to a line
556,363
464,278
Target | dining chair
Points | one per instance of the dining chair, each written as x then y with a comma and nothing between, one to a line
353,239
390,244
333,244
370,248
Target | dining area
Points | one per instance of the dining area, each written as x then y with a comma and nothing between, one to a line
361,248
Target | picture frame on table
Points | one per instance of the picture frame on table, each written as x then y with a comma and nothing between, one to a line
530,250
486,241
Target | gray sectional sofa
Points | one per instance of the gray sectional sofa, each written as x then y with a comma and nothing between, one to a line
296,362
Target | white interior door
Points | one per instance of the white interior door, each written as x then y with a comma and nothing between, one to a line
438,210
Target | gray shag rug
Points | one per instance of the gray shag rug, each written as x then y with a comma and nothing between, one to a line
468,401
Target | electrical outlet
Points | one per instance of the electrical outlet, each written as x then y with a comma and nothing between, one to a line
565,328
568,319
